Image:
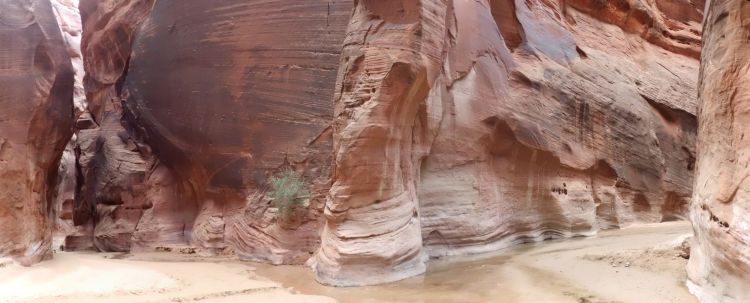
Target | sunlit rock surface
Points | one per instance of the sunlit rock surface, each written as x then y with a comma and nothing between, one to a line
36,97
69,19
719,267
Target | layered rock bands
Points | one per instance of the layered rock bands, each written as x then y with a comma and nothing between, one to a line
468,126
418,128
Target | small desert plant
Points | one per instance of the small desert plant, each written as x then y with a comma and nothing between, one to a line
287,191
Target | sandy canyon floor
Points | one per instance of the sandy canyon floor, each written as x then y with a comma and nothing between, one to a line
636,264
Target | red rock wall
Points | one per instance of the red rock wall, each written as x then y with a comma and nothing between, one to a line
719,267
455,127
451,139
391,58
162,166
116,169
243,92
565,134
66,235
36,93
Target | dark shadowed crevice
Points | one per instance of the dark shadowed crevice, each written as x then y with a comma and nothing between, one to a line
665,112
504,13
674,208
640,203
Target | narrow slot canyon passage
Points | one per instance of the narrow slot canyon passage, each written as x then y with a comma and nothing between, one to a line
373,151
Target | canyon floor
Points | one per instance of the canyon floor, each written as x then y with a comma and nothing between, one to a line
636,264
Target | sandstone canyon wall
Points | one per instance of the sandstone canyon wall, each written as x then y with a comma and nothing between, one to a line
117,172
420,128
469,126
719,267
66,233
183,141
69,20
36,97
243,93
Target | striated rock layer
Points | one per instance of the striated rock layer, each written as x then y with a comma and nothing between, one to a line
456,126
242,92
468,126
186,129
719,267
124,187
36,93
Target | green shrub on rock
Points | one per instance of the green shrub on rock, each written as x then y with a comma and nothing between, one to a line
287,191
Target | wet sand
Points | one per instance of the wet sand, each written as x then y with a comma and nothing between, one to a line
152,277
637,264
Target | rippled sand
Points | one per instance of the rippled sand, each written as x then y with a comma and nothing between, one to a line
638,264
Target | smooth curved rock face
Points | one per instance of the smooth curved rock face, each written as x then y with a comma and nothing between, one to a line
36,93
456,126
450,138
719,267
243,91
109,27
230,92
567,134
391,58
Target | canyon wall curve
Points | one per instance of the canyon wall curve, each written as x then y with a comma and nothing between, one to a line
415,129
719,266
